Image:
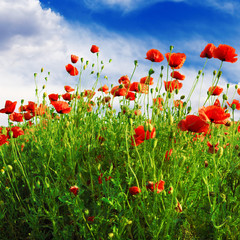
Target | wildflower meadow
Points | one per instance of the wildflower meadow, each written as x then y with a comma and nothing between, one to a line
75,167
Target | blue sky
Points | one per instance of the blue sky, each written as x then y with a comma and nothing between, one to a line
45,33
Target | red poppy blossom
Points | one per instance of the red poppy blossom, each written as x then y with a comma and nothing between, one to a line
61,107
17,131
238,128
215,91
140,135
28,115
53,97
147,80
177,75
131,96
74,58
238,91
139,87
16,117
178,103
68,89
71,70
171,85
91,219
104,88
168,154
74,190
213,114
217,103
3,139
118,91
154,55
159,186
124,80
193,123
134,190
89,94
236,102
225,53
208,51
176,60
9,107
212,149
94,49
67,96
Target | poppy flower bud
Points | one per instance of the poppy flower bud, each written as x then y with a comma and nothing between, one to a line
110,60
44,95
199,72
219,74
171,119
220,152
84,67
155,143
102,67
206,164
189,109
42,69
98,74
156,89
136,63
151,90
214,72
177,91
228,85
46,79
169,95
10,167
87,62
225,97
92,72
162,67
233,106
81,60
171,48
150,72
236,86
22,101
182,97
43,86
35,74
106,77
184,104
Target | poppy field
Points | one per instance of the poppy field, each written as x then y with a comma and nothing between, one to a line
74,167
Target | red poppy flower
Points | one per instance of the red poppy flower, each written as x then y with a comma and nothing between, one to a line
9,107
236,102
217,103
118,91
208,51
124,80
131,96
134,190
178,103
177,75
238,91
215,91
159,186
17,131
104,89
147,80
74,190
68,89
158,102
71,70
106,100
225,53
176,60
213,114
171,85
94,49
212,149
91,219
238,128
31,106
89,94
140,135
74,58
193,123
67,96
61,107
16,117
139,87
3,139
53,97
28,115
154,55
168,154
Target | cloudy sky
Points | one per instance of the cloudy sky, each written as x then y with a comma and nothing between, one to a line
36,34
